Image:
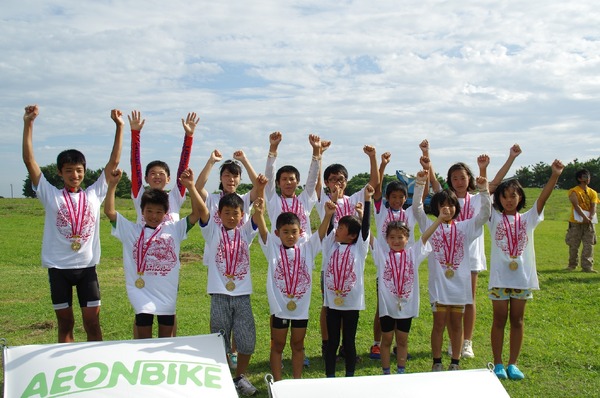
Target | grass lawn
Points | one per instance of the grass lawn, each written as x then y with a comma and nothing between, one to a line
560,355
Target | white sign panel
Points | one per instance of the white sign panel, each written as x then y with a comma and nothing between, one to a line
169,367
461,383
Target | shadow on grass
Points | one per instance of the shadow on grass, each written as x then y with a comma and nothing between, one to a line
561,276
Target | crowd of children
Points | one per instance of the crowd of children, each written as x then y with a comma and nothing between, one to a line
452,242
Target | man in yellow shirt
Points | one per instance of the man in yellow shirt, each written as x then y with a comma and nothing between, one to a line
581,223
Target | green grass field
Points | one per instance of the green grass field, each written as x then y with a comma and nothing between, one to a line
560,355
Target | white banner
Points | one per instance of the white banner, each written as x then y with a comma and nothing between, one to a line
169,367
461,384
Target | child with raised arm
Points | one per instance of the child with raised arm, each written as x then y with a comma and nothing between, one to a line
289,283
397,260
344,253
229,280
71,241
513,274
460,179
158,174
151,253
287,179
449,267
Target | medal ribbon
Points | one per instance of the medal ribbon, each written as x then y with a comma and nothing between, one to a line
401,217
294,208
449,245
398,266
340,266
142,249
512,237
232,251
343,210
290,277
464,210
76,216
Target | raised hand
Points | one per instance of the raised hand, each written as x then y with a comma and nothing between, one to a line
275,138
239,155
113,177
385,158
190,123
330,207
117,116
315,142
369,150
425,162
215,156
187,178
424,146
483,161
325,145
515,151
135,120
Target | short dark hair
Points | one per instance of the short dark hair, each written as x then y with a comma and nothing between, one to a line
397,225
461,166
503,187
395,186
353,224
158,163
156,197
335,168
580,173
70,156
287,169
446,196
232,166
232,200
287,218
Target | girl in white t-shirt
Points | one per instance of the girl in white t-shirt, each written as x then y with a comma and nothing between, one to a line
513,273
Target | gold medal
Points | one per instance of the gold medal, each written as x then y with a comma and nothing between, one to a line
291,305
75,245
339,301
513,265
449,273
230,286
139,283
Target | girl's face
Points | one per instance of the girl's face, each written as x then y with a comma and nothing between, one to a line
509,200
459,179
397,239
230,181
396,200
451,209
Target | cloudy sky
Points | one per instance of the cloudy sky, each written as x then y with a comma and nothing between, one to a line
471,76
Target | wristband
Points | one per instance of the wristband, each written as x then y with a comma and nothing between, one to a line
272,154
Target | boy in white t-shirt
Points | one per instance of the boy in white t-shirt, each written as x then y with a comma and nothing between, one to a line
151,254
71,242
289,282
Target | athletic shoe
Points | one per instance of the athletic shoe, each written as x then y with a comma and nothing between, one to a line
375,352
244,387
232,360
467,351
437,367
453,366
514,373
400,371
500,372
590,270
306,362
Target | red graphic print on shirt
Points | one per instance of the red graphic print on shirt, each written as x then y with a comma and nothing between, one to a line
303,278
340,276
88,222
439,249
405,275
160,257
502,239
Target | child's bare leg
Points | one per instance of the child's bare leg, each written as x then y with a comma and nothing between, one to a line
243,362
66,322
517,313
386,348
165,330
500,309
278,339
402,348
144,332
456,336
297,345
91,323
437,333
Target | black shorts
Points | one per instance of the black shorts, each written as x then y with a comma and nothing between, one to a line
389,324
143,319
62,282
279,323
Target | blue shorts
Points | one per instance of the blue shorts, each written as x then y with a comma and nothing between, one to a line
505,293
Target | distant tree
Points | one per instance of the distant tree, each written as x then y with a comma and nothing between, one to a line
357,183
51,174
243,188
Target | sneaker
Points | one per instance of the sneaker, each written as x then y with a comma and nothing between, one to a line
467,351
400,371
375,352
437,367
500,372
306,362
514,373
232,360
453,366
590,270
244,387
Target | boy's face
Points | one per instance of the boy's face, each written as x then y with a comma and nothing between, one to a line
157,178
153,214
335,181
343,236
287,184
231,216
72,175
397,239
288,234
230,181
396,200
